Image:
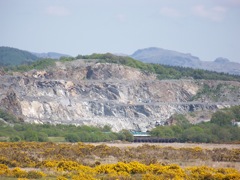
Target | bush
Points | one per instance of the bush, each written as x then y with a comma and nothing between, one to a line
222,118
18,173
8,117
15,139
3,169
35,174
30,135
125,135
72,138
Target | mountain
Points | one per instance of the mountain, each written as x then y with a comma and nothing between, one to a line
13,56
173,58
93,92
221,65
166,57
52,55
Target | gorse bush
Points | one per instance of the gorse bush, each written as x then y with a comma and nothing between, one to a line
19,173
68,161
130,170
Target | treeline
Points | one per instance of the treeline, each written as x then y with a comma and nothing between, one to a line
220,129
163,71
65,133
38,65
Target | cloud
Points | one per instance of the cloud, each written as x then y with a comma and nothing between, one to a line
57,11
170,12
216,13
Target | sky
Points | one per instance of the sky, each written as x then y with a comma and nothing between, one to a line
205,28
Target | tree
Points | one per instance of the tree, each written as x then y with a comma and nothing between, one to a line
30,135
106,128
222,118
163,132
42,137
15,139
72,137
125,135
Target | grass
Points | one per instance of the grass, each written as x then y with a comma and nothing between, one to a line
56,139
4,139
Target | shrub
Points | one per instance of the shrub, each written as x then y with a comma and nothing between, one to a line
17,172
3,169
30,135
61,178
35,174
72,138
15,139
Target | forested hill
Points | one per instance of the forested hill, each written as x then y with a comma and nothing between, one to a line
12,56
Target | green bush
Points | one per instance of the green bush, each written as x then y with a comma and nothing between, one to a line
72,137
8,117
125,135
30,135
15,138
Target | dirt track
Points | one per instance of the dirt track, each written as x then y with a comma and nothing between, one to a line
175,145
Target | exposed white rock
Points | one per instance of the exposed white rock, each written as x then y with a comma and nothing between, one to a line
80,92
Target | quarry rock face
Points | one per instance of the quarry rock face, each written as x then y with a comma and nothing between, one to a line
93,93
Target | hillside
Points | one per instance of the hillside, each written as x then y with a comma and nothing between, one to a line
12,56
173,58
166,57
98,92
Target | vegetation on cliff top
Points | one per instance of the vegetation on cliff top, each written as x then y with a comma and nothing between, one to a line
163,71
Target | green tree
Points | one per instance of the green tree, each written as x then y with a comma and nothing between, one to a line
163,132
42,137
8,117
222,118
15,138
125,135
30,135
72,137
106,128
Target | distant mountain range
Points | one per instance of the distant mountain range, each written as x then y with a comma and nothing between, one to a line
11,56
174,58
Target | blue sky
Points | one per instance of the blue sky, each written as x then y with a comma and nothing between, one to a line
205,28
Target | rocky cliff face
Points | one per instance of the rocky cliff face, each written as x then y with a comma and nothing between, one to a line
92,93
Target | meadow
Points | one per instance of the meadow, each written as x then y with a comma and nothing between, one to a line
125,161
